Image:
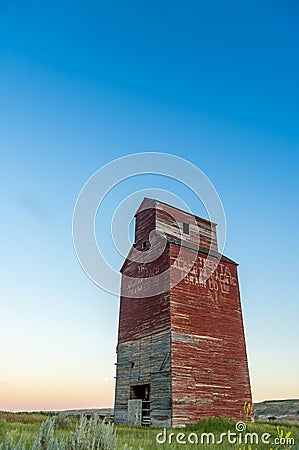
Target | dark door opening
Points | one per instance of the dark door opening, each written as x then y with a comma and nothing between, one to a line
142,392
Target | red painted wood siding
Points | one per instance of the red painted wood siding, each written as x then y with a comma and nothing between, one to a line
142,316
209,362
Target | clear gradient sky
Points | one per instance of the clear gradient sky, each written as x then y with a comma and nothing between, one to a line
83,83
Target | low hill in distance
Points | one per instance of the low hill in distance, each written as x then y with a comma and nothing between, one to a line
273,409
268,409
278,409
74,412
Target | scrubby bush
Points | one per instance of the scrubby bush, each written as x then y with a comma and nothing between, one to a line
90,434
63,421
45,439
8,444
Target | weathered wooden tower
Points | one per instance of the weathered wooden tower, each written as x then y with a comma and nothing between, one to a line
181,352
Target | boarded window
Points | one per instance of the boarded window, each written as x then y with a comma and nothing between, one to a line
185,228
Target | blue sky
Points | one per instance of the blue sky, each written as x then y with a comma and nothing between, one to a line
84,83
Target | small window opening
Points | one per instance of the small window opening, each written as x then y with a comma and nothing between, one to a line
144,244
185,228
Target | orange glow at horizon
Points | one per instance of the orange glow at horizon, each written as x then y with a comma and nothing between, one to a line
71,395
33,397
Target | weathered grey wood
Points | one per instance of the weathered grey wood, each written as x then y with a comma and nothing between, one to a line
134,412
145,361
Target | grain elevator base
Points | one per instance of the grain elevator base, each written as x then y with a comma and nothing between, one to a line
143,381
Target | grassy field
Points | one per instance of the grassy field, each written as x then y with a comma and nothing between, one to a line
27,425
